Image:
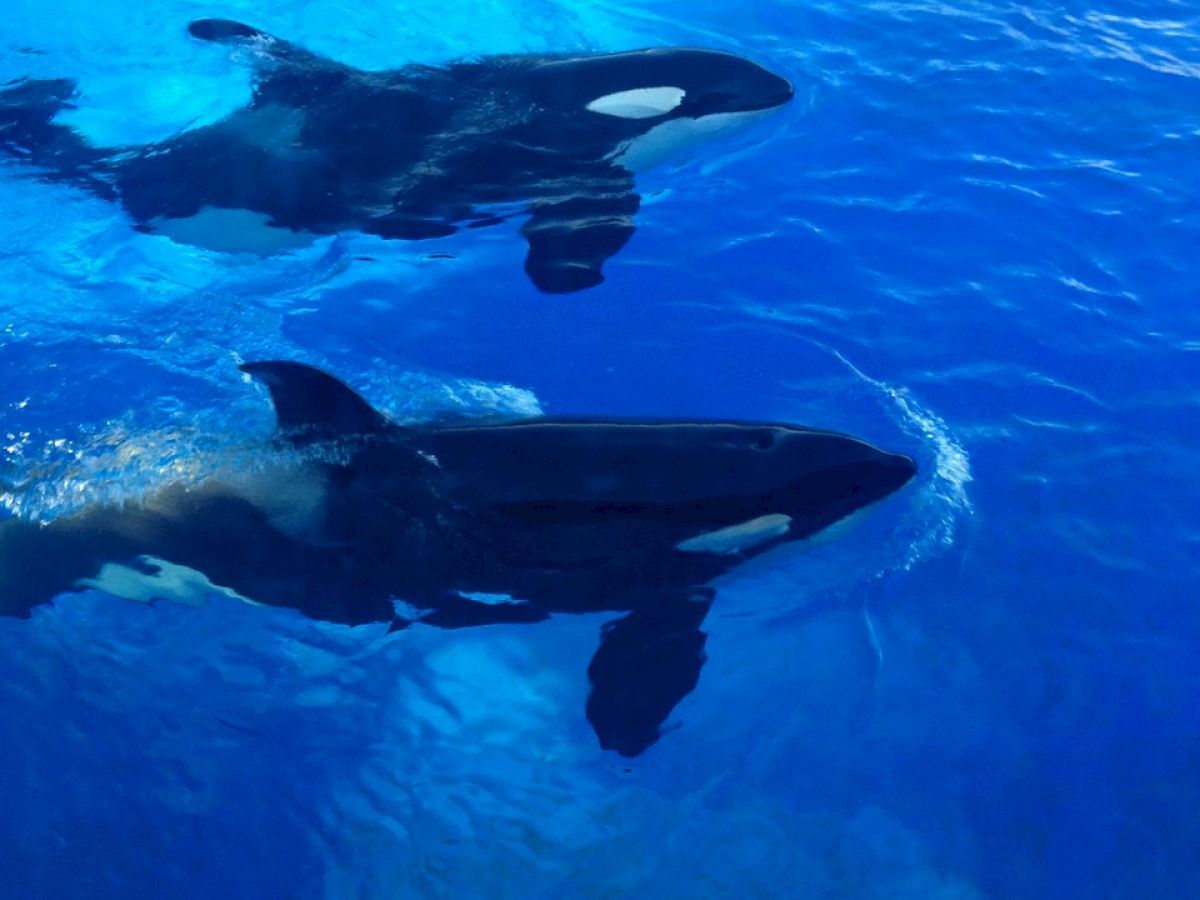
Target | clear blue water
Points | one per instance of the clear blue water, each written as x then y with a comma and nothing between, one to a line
972,238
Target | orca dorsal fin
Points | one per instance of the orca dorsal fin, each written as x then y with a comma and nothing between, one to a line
311,405
266,46
225,31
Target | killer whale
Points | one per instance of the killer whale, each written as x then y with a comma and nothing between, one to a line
465,522
416,152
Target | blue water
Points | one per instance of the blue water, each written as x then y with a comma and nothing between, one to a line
972,238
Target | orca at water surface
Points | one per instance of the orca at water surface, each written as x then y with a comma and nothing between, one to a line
467,522
415,152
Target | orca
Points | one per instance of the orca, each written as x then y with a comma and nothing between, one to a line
411,153
465,522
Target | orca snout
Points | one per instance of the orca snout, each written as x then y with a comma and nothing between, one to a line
756,90
854,470
896,470
762,89
874,473
780,91
711,82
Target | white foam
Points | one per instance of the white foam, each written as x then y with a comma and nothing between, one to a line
47,476
943,499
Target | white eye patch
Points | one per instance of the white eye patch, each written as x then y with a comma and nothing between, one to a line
639,103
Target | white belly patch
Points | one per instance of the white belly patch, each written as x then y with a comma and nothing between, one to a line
676,136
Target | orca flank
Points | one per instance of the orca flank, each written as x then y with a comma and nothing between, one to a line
547,516
412,153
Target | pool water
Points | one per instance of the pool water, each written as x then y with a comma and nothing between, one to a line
970,238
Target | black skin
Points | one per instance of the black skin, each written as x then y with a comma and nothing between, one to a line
407,154
563,516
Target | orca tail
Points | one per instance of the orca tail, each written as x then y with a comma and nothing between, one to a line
29,133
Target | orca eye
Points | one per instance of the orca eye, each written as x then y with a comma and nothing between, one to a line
764,440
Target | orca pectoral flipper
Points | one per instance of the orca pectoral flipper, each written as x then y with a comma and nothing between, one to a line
647,662
570,238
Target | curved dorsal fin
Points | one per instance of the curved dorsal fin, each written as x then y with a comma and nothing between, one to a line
238,34
311,405
225,31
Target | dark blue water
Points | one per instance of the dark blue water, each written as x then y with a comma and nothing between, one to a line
971,238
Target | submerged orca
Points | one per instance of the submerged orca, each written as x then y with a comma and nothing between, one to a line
473,523
410,153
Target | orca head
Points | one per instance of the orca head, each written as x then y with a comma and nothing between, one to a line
831,476
675,82
782,482
714,83
662,101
